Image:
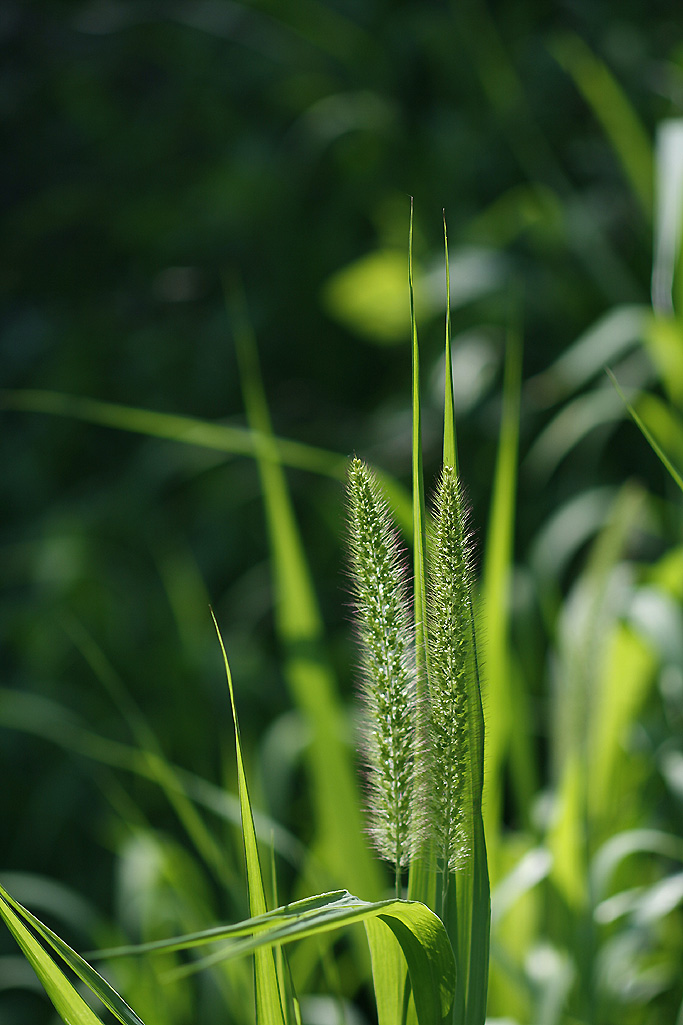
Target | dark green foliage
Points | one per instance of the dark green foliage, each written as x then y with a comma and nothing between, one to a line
148,149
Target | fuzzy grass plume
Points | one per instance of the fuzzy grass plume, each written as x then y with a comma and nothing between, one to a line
451,663
390,732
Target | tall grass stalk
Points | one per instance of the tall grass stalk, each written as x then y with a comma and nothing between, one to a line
423,744
430,749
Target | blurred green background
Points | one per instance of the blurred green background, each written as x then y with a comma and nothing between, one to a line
156,152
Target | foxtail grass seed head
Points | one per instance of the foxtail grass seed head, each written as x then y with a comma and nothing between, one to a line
451,663
390,729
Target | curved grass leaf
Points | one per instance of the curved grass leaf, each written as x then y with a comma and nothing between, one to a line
422,876
647,434
39,716
340,838
189,430
268,1003
668,226
418,930
506,717
66,999
613,110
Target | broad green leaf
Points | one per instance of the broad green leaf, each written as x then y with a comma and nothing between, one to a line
419,932
340,836
268,1003
389,972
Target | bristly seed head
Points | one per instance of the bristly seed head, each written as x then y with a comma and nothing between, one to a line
451,665
390,730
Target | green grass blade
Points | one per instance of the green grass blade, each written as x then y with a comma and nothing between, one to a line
422,876
468,906
109,997
450,447
389,972
68,1002
506,718
41,717
418,931
668,226
468,912
613,110
629,670
340,842
268,1004
657,449
185,429
160,770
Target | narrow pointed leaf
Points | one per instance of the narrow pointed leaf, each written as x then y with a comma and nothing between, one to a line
450,448
186,429
68,1002
418,931
647,434
268,1006
340,842
107,994
422,876
503,727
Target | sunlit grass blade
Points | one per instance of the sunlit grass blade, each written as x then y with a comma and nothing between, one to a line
39,716
299,624
628,673
419,932
450,445
613,110
668,226
583,684
99,986
188,430
507,714
268,1002
466,901
422,875
159,768
68,1002
647,434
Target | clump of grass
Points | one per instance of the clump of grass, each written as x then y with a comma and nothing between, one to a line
422,746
